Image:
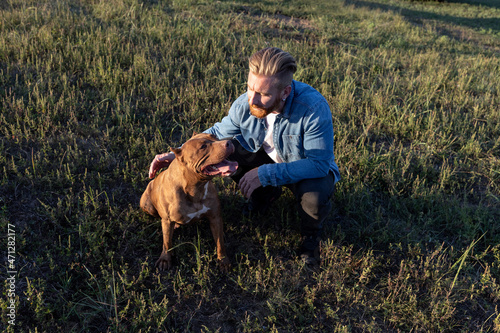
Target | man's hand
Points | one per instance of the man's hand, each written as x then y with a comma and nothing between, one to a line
160,161
249,182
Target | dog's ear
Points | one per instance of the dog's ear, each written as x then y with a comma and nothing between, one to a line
194,134
176,151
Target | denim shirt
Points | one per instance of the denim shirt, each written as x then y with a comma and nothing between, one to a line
302,134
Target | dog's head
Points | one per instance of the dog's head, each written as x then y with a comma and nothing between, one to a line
207,156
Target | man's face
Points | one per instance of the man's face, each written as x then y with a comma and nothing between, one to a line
263,95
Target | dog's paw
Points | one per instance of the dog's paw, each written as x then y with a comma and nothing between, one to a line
164,262
224,264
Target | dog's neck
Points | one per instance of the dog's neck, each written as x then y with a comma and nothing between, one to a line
192,183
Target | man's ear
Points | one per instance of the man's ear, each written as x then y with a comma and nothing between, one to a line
286,92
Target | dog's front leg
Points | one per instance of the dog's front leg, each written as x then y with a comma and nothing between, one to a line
216,225
165,260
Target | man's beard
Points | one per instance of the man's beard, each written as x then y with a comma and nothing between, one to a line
261,112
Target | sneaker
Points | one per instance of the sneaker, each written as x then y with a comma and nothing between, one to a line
260,206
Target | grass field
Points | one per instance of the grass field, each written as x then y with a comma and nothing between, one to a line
91,90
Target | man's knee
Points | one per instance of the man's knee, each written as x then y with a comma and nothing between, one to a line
316,204
314,196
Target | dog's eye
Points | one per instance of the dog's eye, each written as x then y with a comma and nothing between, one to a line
203,146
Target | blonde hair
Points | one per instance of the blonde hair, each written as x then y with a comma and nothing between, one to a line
272,61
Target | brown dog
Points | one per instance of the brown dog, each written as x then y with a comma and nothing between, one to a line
184,193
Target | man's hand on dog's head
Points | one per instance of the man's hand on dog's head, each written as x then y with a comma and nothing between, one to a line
160,161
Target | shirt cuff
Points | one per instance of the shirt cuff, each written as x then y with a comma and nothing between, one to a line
266,176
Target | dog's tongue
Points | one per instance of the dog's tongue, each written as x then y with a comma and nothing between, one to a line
224,168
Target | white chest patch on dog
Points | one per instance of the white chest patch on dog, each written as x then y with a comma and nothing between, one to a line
198,213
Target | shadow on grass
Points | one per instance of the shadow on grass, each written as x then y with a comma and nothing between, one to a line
363,221
417,15
485,3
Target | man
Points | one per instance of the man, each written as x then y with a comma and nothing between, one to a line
283,133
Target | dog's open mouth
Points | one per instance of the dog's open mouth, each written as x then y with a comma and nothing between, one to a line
225,168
